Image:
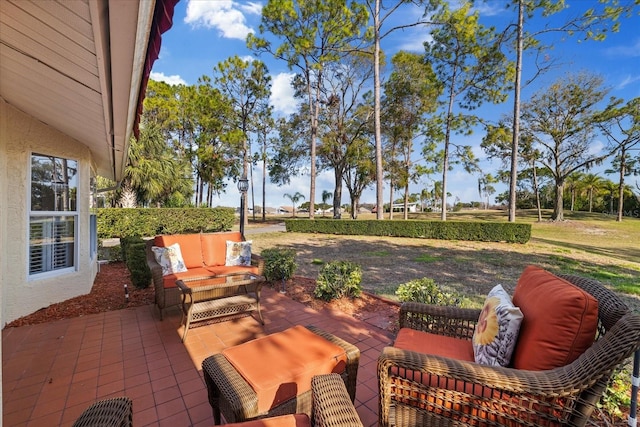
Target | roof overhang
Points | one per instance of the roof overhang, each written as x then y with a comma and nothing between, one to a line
82,66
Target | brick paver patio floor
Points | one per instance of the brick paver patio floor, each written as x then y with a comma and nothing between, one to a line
51,372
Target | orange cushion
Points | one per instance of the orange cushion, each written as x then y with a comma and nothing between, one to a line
189,246
169,280
560,321
232,269
437,345
280,366
214,246
297,420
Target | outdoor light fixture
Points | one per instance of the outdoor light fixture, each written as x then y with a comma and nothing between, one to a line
243,186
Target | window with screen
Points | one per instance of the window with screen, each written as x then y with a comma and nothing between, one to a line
53,215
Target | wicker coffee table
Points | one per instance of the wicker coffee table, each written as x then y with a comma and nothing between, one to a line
205,298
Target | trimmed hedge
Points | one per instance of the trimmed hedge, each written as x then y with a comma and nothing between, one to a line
444,230
123,222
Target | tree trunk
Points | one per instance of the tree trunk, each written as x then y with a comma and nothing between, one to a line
376,112
516,117
623,170
536,190
264,185
337,194
558,214
390,198
406,201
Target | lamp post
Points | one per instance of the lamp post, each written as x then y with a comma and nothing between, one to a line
243,186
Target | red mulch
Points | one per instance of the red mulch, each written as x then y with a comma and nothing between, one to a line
107,293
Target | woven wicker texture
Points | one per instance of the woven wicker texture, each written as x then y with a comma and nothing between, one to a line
231,396
423,390
167,297
115,412
332,405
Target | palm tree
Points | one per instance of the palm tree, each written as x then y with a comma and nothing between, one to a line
612,189
572,182
591,182
326,196
294,199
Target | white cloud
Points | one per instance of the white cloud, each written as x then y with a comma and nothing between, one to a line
226,16
627,81
596,148
248,58
172,80
630,51
282,98
252,8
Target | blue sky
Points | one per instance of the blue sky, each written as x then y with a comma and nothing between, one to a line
205,33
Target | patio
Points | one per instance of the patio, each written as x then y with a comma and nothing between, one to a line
53,371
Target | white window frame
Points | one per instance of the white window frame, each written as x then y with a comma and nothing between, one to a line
53,216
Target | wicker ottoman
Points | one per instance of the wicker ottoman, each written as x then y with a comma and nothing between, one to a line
233,396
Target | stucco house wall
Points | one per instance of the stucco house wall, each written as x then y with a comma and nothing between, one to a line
20,136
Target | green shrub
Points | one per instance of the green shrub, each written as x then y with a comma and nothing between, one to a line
279,264
115,222
137,265
426,291
125,242
616,395
481,231
338,279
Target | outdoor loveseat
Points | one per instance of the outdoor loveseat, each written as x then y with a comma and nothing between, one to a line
203,255
422,388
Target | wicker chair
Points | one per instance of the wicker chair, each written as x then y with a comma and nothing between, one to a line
423,390
114,412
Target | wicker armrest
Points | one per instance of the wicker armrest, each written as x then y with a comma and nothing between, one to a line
156,269
258,261
332,406
449,321
114,412
353,358
453,389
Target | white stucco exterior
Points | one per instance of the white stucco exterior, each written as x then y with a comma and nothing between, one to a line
20,136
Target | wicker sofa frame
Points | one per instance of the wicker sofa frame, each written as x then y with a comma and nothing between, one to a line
167,297
231,396
494,396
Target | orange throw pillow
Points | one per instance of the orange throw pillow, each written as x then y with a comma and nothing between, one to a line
560,321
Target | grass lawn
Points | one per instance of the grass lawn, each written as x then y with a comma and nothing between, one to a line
587,244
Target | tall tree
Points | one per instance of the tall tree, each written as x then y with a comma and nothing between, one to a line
497,143
314,34
410,92
266,124
467,59
375,7
594,23
621,125
344,120
560,120
247,85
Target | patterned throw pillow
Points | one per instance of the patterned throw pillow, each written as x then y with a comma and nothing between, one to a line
169,258
238,253
496,333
